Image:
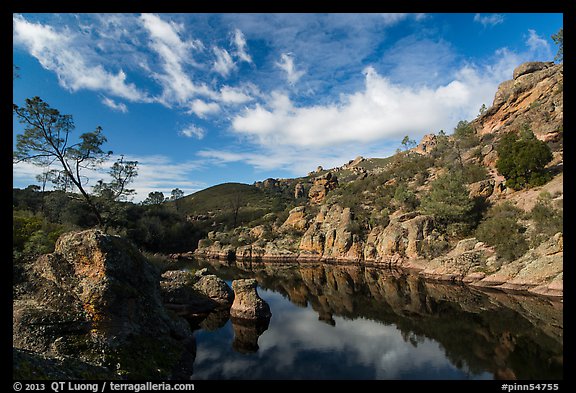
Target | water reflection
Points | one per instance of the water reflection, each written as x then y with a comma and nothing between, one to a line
355,322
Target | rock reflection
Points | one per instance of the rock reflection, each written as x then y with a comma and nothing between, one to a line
509,336
246,334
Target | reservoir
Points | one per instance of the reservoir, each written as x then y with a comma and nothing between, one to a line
372,323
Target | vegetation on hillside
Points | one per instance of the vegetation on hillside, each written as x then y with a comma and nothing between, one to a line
437,183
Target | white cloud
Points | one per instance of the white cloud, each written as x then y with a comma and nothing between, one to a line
489,20
155,173
223,63
383,110
234,95
60,52
192,131
538,45
202,108
174,54
287,64
240,42
120,107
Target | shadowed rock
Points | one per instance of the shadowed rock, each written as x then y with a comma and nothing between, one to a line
247,304
96,299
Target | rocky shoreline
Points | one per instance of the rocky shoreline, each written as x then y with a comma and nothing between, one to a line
539,272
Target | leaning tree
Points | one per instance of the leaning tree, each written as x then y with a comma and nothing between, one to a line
47,141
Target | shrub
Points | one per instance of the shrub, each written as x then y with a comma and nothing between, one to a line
502,231
465,135
548,221
474,172
522,160
449,203
405,197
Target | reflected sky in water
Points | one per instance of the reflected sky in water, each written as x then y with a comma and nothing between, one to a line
297,345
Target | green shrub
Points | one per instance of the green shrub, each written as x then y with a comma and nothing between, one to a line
449,203
547,220
405,197
474,172
522,160
465,135
501,230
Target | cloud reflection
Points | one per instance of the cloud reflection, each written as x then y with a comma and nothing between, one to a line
299,346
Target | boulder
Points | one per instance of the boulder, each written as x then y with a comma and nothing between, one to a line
427,144
97,299
214,287
482,188
179,294
248,305
530,67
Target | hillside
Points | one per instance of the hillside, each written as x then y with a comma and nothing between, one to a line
442,207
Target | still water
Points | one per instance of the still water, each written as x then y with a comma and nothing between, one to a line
355,322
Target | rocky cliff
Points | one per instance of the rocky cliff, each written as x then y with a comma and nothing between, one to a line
358,213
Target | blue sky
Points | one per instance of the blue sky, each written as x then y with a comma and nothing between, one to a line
202,99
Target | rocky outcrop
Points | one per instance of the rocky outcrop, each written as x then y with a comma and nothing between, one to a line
299,190
296,220
534,96
248,305
427,144
322,185
97,299
469,261
406,236
330,236
539,271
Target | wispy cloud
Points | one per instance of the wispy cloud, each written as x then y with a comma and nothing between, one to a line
155,173
110,103
239,41
234,95
174,53
489,20
202,108
57,51
223,63
192,131
538,45
286,63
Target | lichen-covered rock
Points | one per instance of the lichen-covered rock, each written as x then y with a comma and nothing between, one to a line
247,303
179,294
296,220
322,185
539,271
96,299
214,287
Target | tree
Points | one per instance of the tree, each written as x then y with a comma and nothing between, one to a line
122,173
522,159
408,143
465,135
154,198
482,110
46,140
176,194
558,39
449,203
